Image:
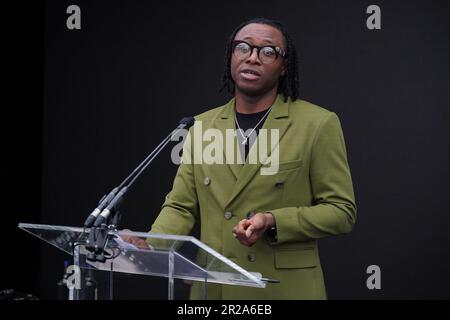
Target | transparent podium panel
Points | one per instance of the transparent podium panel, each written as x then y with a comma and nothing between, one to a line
181,260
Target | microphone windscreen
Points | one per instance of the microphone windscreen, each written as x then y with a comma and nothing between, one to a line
187,121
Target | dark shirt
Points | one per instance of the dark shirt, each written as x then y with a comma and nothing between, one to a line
247,121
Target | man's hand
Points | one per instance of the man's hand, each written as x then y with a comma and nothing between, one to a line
138,242
248,231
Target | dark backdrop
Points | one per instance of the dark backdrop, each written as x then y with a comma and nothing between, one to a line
112,91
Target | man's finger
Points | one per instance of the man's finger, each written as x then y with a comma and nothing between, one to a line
241,225
249,231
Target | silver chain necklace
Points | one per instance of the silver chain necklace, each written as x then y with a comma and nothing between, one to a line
242,131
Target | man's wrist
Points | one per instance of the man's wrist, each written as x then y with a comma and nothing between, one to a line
270,220
271,227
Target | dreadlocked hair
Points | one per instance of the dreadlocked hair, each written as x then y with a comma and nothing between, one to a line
288,85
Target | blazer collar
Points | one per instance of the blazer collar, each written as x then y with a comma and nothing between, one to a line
279,110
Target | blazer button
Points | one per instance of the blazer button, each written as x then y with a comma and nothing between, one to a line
251,257
228,215
279,184
207,181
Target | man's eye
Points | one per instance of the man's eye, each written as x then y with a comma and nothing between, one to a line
242,48
269,52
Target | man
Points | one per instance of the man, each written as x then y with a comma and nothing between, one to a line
266,223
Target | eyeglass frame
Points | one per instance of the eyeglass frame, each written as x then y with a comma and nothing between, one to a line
278,50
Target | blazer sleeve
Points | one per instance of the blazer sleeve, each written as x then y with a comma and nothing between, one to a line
180,208
334,210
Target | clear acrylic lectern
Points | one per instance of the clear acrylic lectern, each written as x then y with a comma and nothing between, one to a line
170,256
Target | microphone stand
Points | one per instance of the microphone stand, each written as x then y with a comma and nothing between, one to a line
109,218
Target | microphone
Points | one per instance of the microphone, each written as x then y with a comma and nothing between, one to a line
186,123
111,207
101,205
108,205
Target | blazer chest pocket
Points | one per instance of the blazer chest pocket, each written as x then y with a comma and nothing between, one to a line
283,166
295,259
285,170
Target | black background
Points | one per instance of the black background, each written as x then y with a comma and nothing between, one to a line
82,108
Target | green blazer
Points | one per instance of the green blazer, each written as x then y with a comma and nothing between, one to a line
310,197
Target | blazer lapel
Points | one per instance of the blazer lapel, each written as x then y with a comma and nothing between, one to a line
223,122
278,118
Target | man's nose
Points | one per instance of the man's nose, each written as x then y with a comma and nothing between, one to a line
253,58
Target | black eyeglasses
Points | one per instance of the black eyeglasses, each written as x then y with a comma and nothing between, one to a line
266,54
